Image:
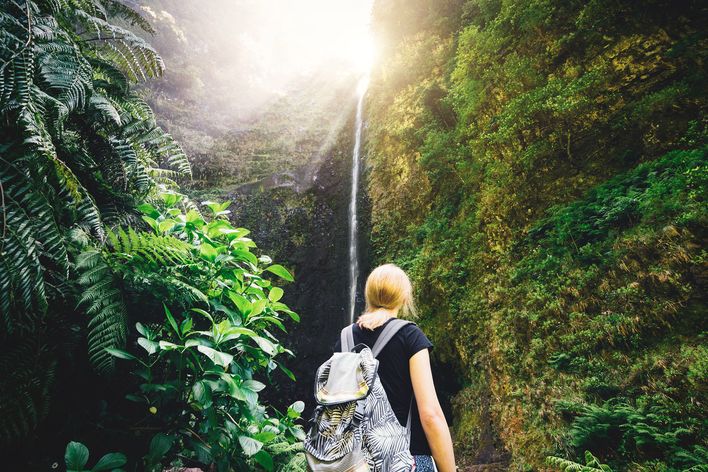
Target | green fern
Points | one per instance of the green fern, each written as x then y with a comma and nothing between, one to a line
24,391
107,327
290,456
79,149
129,245
592,464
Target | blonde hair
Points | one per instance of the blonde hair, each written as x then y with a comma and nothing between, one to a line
389,287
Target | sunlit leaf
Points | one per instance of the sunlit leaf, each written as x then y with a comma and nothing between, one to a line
217,357
280,271
249,445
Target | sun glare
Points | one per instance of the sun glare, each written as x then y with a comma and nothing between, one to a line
310,35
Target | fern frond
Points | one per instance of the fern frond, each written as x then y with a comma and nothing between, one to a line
116,9
66,75
131,54
24,392
107,327
148,247
104,110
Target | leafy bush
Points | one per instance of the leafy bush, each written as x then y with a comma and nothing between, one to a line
199,365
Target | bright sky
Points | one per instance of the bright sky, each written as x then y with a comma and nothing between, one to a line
249,52
304,35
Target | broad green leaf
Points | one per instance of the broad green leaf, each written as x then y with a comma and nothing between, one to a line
186,325
245,255
150,346
280,271
217,357
265,345
168,346
264,459
249,445
144,330
266,436
276,293
233,387
152,222
208,252
273,320
202,394
160,444
166,225
258,307
203,313
194,218
253,385
265,260
147,209
171,319
237,331
296,409
298,433
76,456
120,354
110,461
241,302
197,342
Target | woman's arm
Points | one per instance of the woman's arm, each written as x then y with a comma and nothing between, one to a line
431,415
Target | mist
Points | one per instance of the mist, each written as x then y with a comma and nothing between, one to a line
240,55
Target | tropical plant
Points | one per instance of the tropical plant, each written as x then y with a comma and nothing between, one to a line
203,363
77,456
78,150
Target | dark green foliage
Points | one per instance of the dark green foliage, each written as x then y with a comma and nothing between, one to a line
625,432
77,150
198,366
77,457
540,169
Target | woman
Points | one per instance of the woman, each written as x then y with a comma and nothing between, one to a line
404,367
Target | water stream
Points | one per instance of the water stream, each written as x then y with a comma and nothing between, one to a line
353,222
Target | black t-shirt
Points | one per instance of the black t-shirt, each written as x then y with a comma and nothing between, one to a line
395,374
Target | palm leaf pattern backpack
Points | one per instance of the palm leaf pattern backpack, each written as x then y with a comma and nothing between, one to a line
353,427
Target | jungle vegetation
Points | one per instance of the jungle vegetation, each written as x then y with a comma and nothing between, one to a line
106,269
540,166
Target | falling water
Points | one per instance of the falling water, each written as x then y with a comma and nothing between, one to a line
353,243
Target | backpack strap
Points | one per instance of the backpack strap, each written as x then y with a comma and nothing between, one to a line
387,334
409,421
393,326
346,338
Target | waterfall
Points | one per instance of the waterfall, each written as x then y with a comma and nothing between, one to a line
353,223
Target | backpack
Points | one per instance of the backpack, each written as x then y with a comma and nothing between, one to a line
353,427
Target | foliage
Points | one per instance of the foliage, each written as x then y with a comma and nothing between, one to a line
78,148
592,464
77,456
198,366
539,168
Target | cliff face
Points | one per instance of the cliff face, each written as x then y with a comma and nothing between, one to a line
539,168
300,219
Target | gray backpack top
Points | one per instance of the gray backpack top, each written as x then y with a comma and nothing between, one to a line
353,427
